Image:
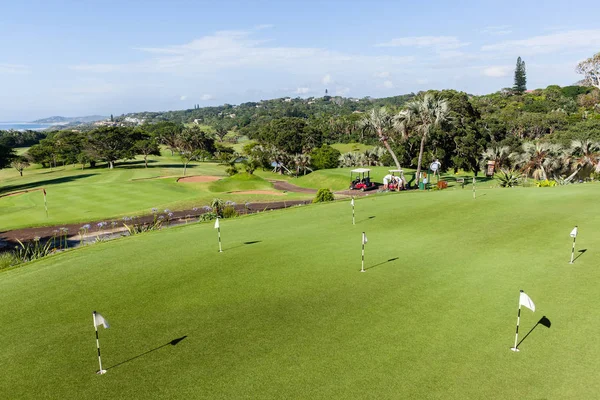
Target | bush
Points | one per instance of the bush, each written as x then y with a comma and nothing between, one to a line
229,212
208,216
545,183
509,178
442,185
231,170
7,259
325,157
323,195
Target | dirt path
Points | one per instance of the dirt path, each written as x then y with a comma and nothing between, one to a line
8,238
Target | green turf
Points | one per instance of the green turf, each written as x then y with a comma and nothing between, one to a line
240,182
291,316
351,147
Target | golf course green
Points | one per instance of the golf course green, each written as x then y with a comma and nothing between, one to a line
285,313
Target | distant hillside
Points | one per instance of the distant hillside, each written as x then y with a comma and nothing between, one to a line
69,120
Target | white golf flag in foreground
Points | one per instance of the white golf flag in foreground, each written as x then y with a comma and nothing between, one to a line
574,232
526,301
99,320
364,238
217,224
352,202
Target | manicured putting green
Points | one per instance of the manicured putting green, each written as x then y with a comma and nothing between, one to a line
285,313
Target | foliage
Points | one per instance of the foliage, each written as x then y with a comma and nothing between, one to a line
545,183
6,156
323,195
229,211
7,259
138,227
324,157
32,250
508,178
207,216
217,206
590,69
520,85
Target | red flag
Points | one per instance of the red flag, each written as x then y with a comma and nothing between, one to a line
44,192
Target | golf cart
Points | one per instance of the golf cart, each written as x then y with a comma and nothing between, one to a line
360,179
395,180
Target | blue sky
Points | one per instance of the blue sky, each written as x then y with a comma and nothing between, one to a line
88,57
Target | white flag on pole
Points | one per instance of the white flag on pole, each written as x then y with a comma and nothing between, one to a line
352,202
574,232
526,301
99,320
364,238
217,224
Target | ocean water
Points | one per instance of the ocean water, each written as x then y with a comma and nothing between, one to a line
22,126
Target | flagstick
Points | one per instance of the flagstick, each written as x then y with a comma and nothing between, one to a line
473,186
573,250
219,234
362,269
517,332
353,222
45,203
101,371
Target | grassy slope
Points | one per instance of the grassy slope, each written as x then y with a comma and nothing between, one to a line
81,196
291,317
240,182
354,147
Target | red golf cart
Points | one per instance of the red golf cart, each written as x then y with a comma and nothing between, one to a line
360,179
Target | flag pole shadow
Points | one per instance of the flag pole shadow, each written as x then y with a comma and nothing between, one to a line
173,342
543,321
383,262
243,244
580,254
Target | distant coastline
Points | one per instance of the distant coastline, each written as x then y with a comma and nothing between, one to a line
23,126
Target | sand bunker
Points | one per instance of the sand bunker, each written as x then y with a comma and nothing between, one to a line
18,193
196,179
271,192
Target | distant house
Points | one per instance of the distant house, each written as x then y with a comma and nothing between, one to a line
197,121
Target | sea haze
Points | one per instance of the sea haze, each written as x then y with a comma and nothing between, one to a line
22,126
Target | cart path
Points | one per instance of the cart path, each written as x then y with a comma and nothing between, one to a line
289,187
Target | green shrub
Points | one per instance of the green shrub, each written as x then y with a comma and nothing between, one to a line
323,195
217,206
209,216
325,157
33,250
545,183
231,170
7,259
509,178
229,212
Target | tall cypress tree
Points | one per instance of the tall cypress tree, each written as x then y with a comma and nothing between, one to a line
520,77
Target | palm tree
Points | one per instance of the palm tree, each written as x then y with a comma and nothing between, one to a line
540,159
499,154
420,117
380,121
302,162
583,154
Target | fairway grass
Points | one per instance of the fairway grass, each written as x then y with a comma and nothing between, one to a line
285,313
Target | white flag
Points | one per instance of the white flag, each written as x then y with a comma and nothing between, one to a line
526,301
99,320
352,202
574,232
217,224
364,238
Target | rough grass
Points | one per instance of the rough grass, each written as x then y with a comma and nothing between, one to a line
351,147
285,313
241,181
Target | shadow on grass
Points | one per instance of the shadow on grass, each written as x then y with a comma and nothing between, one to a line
384,262
173,342
580,254
244,244
543,321
40,184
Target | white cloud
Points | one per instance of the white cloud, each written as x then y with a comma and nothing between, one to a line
302,90
383,74
182,98
206,97
439,42
326,79
263,26
13,69
342,91
388,84
497,71
97,68
552,43
497,30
